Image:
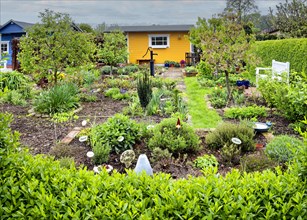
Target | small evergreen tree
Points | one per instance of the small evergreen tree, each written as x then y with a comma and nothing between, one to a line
144,89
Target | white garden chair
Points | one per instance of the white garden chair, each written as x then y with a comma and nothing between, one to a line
278,70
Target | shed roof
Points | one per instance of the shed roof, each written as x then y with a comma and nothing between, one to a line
152,28
21,24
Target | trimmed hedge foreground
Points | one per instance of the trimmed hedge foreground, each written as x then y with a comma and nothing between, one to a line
36,187
292,50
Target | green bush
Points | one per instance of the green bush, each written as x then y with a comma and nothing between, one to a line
256,162
117,134
36,187
231,153
245,112
117,94
204,70
218,97
290,100
67,162
176,139
15,87
283,148
286,50
120,82
60,98
13,97
106,70
206,161
224,132
130,69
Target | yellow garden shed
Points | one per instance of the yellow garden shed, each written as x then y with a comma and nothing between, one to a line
169,42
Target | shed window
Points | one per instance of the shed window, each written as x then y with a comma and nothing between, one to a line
4,47
159,41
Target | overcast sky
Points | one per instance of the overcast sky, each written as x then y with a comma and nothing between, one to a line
133,12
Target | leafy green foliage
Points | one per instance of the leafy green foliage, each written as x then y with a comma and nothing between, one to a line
256,162
205,161
53,45
225,42
15,87
245,112
67,162
218,97
114,48
287,50
158,154
118,134
29,185
283,148
144,89
231,153
290,99
291,18
224,132
117,94
177,140
8,139
60,98
107,70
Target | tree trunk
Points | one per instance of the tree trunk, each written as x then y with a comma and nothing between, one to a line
227,85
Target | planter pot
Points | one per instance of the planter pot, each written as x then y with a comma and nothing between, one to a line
166,65
244,83
259,146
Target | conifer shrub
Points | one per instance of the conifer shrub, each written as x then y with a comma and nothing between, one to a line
144,89
224,132
177,139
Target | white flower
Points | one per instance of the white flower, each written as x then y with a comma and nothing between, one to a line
120,138
83,138
109,168
90,154
236,141
96,169
150,127
83,123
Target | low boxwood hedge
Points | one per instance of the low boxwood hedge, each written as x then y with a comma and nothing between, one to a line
36,187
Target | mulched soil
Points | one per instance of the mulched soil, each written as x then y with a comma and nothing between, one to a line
40,134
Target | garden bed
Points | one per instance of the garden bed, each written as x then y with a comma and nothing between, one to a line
40,135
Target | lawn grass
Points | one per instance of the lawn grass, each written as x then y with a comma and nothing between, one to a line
202,117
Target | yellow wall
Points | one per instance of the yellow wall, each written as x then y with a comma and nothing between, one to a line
138,44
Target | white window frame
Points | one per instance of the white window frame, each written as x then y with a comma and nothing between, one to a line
7,45
150,36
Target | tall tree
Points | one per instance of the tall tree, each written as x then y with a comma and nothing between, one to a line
224,43
86,28
291,18
53,45
242,8
114,48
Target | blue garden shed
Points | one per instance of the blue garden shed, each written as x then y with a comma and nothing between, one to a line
8,32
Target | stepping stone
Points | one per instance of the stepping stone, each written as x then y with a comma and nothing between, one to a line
71,135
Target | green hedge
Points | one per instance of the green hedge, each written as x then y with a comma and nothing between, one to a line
36,187
292,50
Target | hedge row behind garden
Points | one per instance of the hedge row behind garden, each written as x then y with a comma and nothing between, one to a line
292,50
36,187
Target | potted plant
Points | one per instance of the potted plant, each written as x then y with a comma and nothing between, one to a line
176,64
182,63
166,63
